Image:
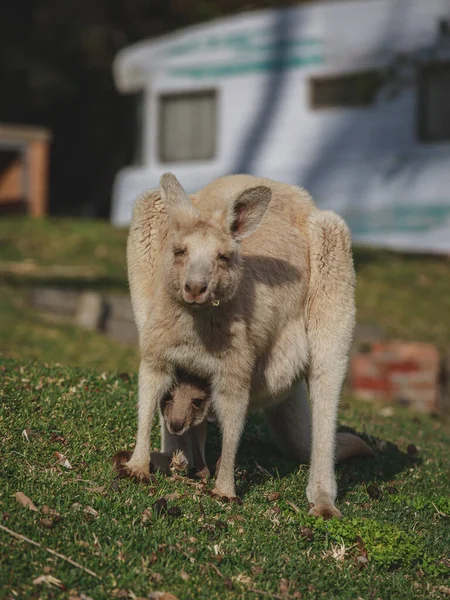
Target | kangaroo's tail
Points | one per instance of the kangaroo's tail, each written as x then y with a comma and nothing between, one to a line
349,445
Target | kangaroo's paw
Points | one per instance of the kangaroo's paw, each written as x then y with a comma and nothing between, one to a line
123,468
216,493
203,473
326,511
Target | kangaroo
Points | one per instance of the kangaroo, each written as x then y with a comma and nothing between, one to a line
247,284
188,406
184,413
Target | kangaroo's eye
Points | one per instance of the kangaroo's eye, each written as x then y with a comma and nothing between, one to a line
225,258
179,251
167,399
197,402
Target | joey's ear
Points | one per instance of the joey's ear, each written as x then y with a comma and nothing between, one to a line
248,210
172,194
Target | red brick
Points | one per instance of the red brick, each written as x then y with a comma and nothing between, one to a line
394,370
372,383
363,365
407,366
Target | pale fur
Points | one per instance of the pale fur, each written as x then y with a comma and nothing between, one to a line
286,312
192,438
188,407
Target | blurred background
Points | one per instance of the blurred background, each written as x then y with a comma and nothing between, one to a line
350,99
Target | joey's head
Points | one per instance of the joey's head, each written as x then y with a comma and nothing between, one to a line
186,405
202,258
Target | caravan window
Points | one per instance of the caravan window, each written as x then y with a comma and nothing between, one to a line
187,126
434,103
344,91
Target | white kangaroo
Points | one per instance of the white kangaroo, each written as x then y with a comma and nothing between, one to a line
248,285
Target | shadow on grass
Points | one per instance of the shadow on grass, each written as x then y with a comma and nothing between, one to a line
258,453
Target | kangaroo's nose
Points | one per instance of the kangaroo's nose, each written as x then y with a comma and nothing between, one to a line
177,426
196,288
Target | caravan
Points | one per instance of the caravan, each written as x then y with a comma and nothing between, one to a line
350,100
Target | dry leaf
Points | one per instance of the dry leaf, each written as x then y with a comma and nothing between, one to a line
25,501
362,561
444,590
174,512
99,490
272,496
361,546
294,506
25,435
49,580
284,586
47,523
217,557
120,593
184,576
173,496
243,579
63,460
147,515
179,462
160,506
89,510
161,596
374,491
307,533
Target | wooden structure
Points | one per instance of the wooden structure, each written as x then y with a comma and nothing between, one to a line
24,159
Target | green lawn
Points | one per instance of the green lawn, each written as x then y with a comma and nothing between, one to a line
83,251
27,334
72,401
197,547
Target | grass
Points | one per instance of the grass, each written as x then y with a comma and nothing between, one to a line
398,504
396,507
27,334
407,295
90,251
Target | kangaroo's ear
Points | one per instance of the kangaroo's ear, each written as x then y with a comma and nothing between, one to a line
173,195
247,211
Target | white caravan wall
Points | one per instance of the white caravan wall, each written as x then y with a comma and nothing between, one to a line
365,163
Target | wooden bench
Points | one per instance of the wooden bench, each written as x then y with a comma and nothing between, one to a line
24,159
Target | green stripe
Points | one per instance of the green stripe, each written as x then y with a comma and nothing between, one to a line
230,69
398,219
241,43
